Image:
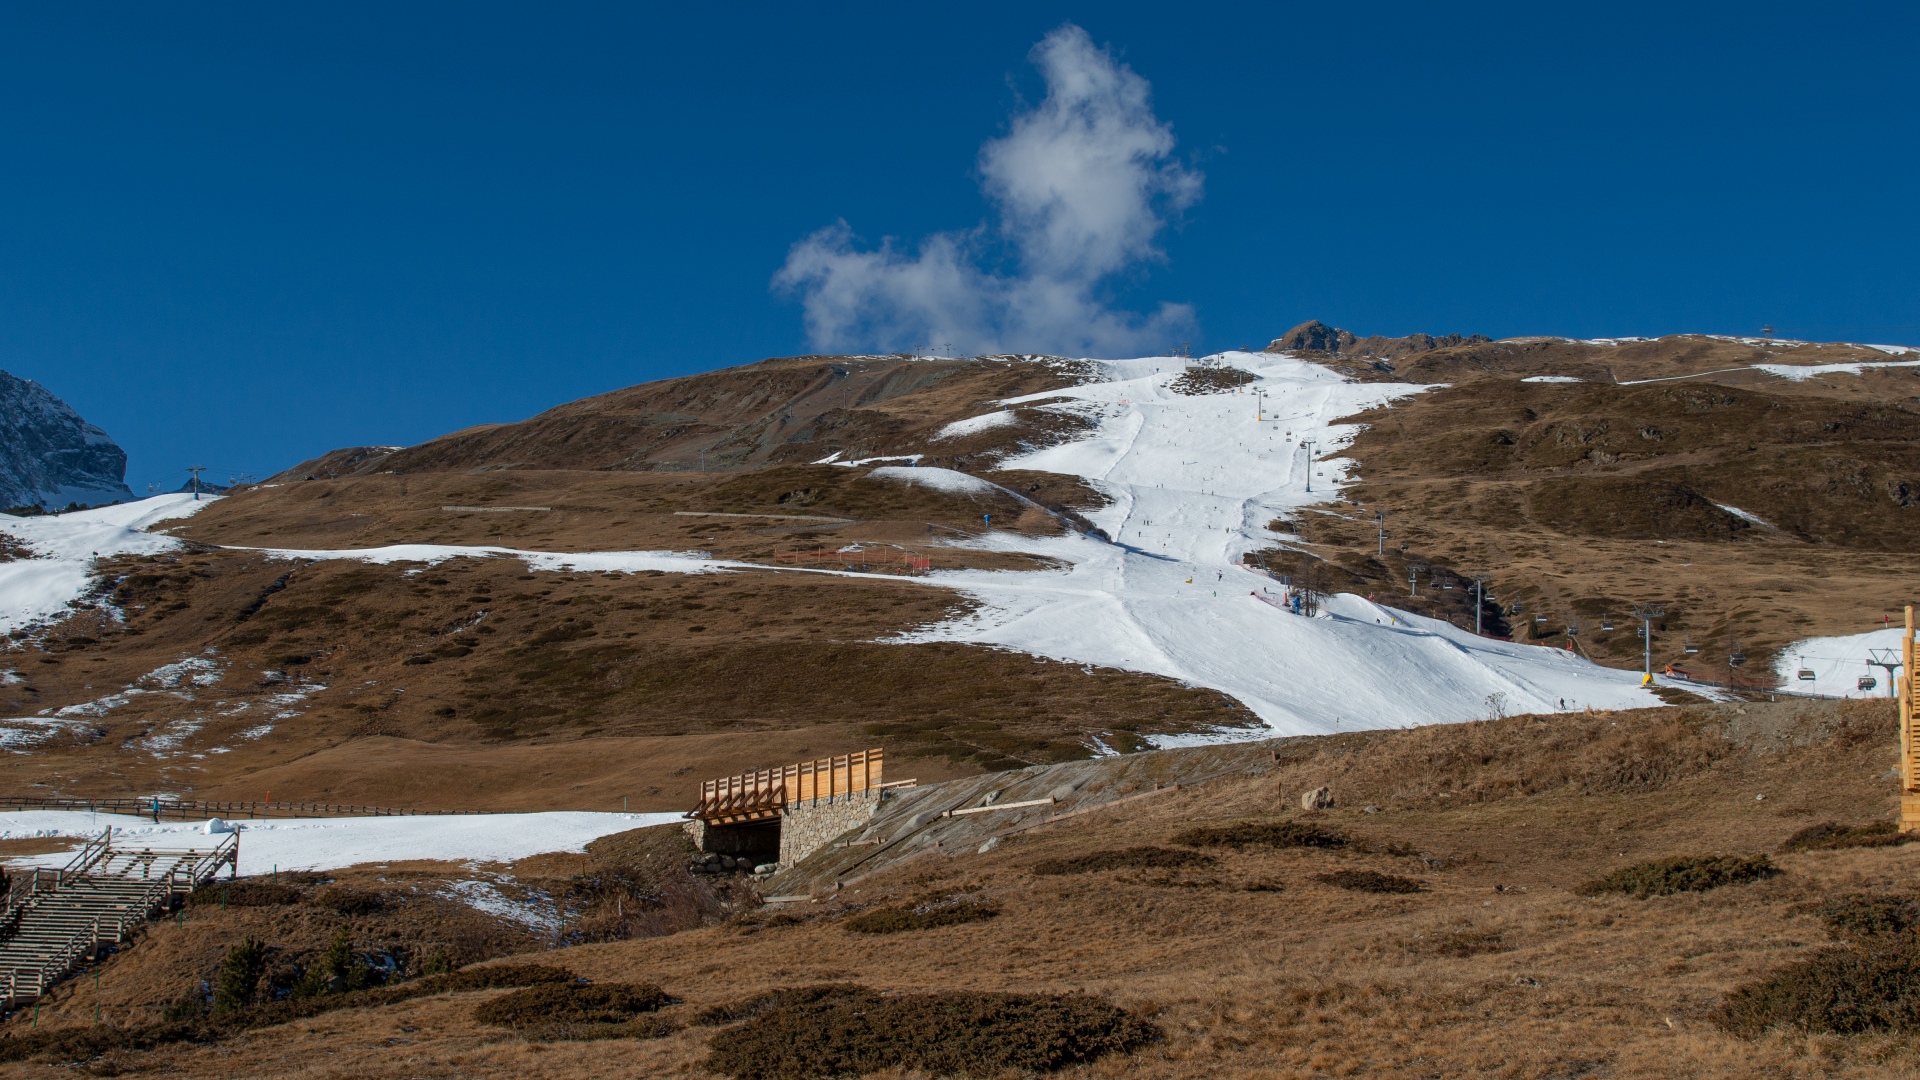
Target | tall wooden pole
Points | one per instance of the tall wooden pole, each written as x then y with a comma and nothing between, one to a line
1909,789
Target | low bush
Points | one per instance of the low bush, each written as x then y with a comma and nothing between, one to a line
561,1007
1370,881
1866,915
733,1012
243,894
349,901
1133,858
67,1044
1831,835
1841,991
1274,834
1685,874
852,1032
894,920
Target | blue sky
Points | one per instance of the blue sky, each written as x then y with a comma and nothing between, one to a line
241,236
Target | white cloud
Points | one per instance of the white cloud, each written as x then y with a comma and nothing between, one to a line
1083,183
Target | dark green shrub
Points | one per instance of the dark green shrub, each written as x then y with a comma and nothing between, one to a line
1142,858
1685,874
1830,835
733,1012
1275,834
336,971
1370,881
239,976
1864,915
965,1033
894,920
349,901
571,1003
1841,991
243,894
79,1043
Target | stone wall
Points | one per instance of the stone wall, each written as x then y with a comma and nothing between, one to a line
758,840
809,826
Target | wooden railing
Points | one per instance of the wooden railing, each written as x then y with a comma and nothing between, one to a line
760,796
166,809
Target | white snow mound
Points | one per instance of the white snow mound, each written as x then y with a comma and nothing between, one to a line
65,547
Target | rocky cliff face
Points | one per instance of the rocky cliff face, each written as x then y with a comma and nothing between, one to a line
51,457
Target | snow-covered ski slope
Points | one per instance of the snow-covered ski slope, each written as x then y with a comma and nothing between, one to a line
1838,663
1194,481
65,546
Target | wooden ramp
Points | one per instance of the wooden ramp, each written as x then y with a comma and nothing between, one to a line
750,798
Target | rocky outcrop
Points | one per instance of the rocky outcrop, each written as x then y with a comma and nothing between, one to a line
49,456
1316,336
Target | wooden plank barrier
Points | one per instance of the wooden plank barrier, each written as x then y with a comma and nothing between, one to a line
745,798
1905,686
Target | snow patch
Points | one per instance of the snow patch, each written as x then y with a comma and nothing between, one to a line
42,589
1838,663
1803,372
1192,482
937,479
1744,515
1551,379
333,843
973,425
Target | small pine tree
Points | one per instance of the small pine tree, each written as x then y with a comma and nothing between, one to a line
239,977
437,962
335,971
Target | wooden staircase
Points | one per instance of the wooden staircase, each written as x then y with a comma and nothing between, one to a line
52,920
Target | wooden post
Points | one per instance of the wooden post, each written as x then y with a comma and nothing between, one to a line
1904,684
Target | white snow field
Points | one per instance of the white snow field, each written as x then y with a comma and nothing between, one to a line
629,562
333,843
1838,663
66,545
1193,483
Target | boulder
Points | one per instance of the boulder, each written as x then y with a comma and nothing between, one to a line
1320,798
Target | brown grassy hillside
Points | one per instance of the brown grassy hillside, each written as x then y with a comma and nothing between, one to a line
1251,955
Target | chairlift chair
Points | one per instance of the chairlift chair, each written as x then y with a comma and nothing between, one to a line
1690,647
1736,657
1806,674
1867,682
1541,618
1606,623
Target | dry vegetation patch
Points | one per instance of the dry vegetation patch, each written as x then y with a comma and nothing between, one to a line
853,1031
1831,835
1133,858
948,911
1843,991
1371,881
574,1010
1683,874
1868,916
1274,834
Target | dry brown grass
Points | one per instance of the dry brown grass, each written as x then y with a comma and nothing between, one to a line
1499,969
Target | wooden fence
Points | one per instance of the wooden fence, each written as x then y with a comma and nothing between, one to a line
759,796
191,810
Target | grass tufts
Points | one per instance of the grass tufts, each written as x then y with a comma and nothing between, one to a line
854,1031
927,916
1133,858
1683,874
1370,881
1274,834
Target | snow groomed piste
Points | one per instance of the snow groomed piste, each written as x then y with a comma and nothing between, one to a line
1193,482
